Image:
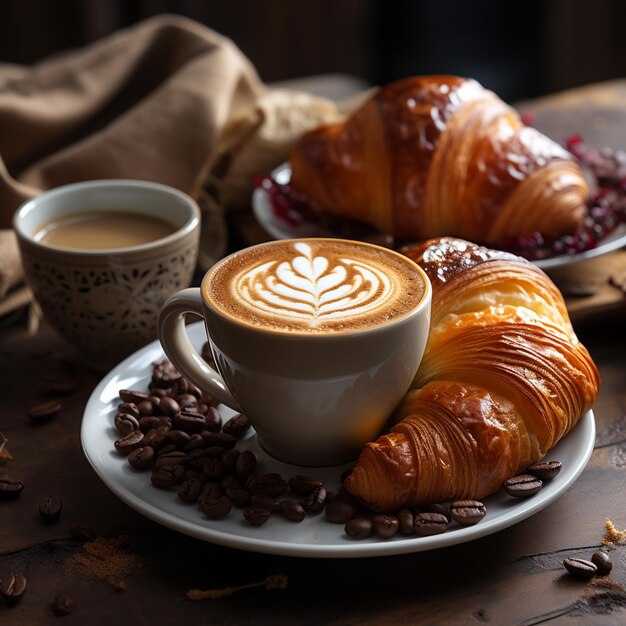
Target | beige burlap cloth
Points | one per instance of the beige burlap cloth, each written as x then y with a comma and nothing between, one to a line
167,100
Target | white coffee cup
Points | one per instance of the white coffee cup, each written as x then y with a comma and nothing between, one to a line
314,398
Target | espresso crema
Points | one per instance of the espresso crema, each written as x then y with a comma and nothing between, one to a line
315,286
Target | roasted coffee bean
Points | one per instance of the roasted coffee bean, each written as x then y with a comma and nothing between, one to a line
10,488
190,423
216,452
129,395
129,442
212,420
193,413
146,408
130,408
196,458
230,481
340,512
125,423
406,520
190,489
238,496
179,438
203,408
164,420
229,458
179,387
157,392
141,458
174,457
213,469
315,501
303,485
245,465
545,470
187,402
602,562
331,496
189,474
237,426
467,512
50,508
62,604
167,475
219,439
168,406
194,391
156,401
344,495
386,526
165,372
522,486
216,508
211,491
426,524
442,509
291,510
265,502
156,437
271,484
166,449
60,386
580,568
256,516
359,528
196,442
44,412
12,588
148,422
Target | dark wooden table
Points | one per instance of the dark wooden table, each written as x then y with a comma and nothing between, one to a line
512,577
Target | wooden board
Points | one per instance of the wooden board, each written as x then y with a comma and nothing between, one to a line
597,275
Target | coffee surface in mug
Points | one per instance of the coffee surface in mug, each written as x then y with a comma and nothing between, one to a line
103,230
320,286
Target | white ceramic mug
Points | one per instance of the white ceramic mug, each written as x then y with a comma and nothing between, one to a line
105,302
313,399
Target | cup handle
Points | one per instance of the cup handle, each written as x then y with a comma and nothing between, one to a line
180,351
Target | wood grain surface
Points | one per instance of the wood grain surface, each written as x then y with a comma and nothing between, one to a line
512,577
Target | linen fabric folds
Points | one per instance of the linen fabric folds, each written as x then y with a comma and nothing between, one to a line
167,100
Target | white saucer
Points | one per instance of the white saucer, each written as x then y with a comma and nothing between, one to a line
314,537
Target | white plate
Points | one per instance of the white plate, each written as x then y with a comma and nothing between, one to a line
314,537
279,229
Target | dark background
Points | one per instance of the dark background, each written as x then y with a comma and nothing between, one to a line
520,50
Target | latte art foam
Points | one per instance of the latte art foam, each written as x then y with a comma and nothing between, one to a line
310,289
315,286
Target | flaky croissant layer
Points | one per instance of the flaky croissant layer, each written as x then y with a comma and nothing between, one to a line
440,155
502,380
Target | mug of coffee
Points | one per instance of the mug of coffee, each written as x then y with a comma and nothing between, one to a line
101,258
315,340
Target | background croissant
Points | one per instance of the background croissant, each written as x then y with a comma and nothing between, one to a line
503,378
440,155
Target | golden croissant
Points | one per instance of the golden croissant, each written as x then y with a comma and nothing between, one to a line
502,379
440,155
